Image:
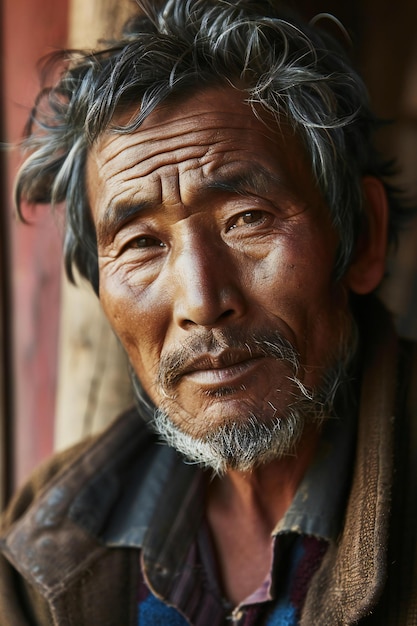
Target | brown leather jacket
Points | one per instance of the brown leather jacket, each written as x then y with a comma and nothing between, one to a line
56,569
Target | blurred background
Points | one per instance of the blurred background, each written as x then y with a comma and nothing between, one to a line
62,373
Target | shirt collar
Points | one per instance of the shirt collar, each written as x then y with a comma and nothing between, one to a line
319,503
159,491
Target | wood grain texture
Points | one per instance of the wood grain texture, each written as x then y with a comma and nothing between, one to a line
93,385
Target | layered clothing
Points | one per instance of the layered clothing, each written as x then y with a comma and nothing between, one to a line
68,557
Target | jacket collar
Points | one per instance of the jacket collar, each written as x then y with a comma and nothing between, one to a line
351,578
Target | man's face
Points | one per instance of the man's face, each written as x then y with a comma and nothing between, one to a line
213,240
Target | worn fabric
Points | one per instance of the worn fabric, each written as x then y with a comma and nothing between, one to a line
301,557
315,514
58,569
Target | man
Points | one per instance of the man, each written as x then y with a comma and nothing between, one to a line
224,200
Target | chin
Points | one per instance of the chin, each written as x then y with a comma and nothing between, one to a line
236,435
234,444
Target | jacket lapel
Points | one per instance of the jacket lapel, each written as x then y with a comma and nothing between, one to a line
353,572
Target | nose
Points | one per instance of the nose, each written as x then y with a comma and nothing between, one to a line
208,292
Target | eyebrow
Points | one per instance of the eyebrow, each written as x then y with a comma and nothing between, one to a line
256,181
116,216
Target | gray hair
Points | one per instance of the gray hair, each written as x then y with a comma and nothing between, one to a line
289,69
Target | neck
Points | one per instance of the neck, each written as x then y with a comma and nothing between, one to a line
243,509
268,490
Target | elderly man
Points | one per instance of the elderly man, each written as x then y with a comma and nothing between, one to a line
224,200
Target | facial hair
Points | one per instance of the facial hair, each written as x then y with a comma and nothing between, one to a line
251,440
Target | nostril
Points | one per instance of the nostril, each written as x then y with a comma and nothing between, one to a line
187,323
227,314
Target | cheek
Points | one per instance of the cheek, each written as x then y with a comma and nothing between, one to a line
295,283
282,280
119,310
136,321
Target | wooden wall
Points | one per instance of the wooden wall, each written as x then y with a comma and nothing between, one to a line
93,383
30,28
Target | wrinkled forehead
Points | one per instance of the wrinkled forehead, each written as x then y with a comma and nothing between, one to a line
219,108
196,137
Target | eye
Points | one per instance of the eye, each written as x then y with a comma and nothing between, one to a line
145,242
249,218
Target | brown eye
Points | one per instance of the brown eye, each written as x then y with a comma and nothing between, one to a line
145,242
251,217
248,218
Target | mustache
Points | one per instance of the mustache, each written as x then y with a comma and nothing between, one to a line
225,346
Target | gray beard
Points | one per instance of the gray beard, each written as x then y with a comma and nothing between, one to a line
251,441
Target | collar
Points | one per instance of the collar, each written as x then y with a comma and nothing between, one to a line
151,496
319,503
353,571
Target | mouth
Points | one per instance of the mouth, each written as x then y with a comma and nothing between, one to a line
226,361
227,368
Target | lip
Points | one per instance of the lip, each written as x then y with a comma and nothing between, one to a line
224,369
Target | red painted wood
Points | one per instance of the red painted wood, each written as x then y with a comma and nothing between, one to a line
31,29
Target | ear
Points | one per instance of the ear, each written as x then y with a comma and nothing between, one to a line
368,265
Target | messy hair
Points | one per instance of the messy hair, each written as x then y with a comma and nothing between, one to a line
291,70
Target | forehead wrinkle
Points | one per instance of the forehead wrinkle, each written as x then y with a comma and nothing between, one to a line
146,135
146,166
238,179
246,177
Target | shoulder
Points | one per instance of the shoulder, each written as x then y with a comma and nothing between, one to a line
50,535
41,477
70,470
54,526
